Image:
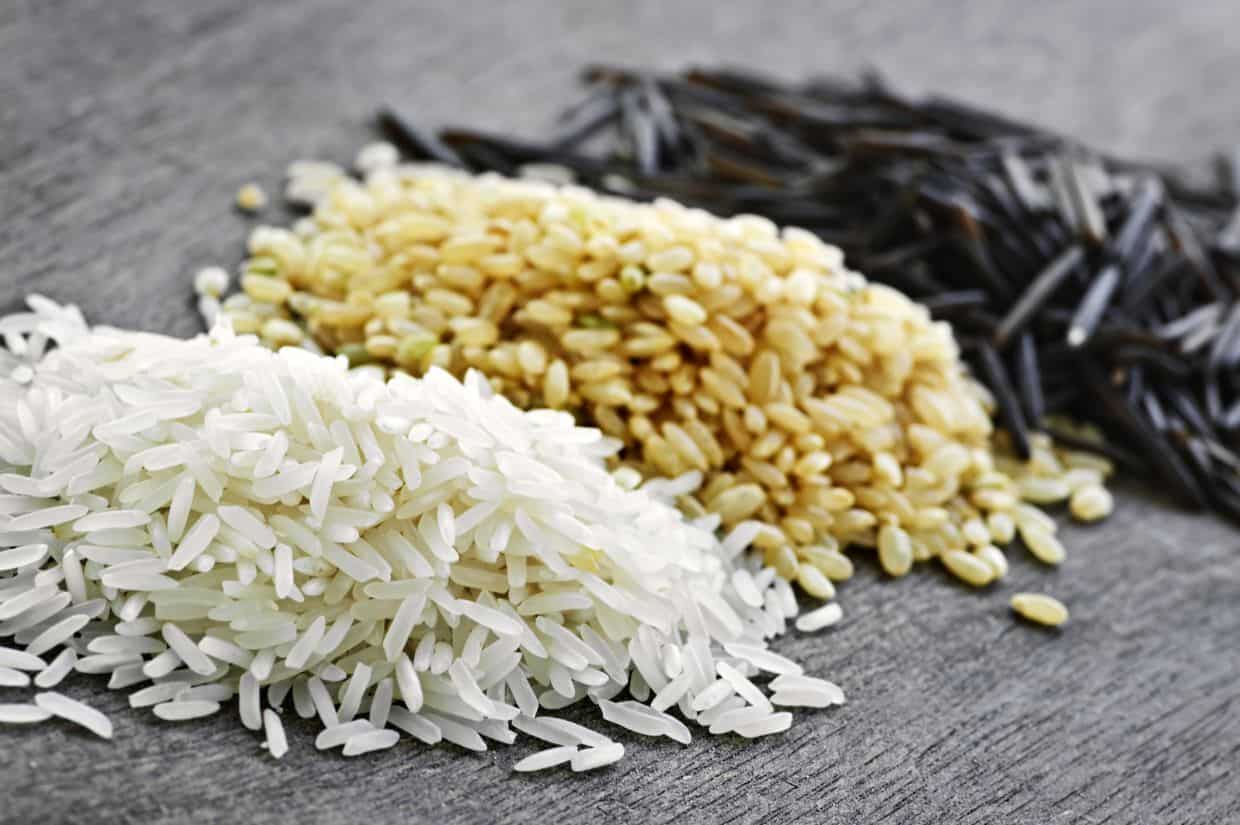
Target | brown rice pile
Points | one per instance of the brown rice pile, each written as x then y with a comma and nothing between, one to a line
830,411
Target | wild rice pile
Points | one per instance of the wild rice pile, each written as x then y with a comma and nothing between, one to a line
206,520
826,411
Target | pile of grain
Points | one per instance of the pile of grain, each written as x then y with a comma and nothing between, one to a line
208,519
832,411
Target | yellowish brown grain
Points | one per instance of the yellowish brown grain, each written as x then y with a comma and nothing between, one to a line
833,410
1040,608
968,568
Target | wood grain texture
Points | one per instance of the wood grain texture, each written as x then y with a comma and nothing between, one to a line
125,130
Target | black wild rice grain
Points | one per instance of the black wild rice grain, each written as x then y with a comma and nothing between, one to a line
1037,293
1010,411
414,141
1029,378
1094,305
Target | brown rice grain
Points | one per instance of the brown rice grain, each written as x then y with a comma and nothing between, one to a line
833,410
968,568
1042,544
1040,608
895,551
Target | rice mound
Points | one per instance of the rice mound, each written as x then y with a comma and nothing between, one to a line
209,518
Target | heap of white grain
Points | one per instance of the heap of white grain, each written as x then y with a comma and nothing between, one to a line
206,519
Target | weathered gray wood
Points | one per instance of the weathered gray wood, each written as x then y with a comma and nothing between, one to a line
125,130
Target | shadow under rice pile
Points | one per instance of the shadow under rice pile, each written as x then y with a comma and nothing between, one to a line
1080,285
821,411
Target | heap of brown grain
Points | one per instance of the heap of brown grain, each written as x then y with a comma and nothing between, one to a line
830,411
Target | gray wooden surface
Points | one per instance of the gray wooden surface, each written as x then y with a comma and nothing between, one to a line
125,130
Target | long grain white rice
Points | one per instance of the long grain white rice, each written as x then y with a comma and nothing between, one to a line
456,732
20,714
744,688
57,669
381,703
415,538
419,727
323,703
544,759
74,711
774,723
763,659
711,696
250,703
374,740
11,677
244,521
177,710
336,735
589,759
132,674
22,556
156,694
641,719
20,659
46,517
820,617
188,652
210,692
111,520
805,691
125,644
27,600
354,690
730,720
162,665
277,691
225,651
277,744
302,703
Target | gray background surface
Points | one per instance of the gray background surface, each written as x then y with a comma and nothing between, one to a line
125,130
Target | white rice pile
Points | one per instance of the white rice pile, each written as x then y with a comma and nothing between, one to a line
208,519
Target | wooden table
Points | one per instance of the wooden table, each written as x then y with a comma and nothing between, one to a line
127,127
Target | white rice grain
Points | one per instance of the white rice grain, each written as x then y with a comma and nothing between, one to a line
57,669
805,691
178,711
186,650
746,689
762,659
592,758
22,556
375,740
250,704
74,711
544,759
381,703
20,659
195,541
283,521
18,714
415,725
306,644
245,522
774,723
631,716
336,735
458,733
277,744
819,618
111,520
356,687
